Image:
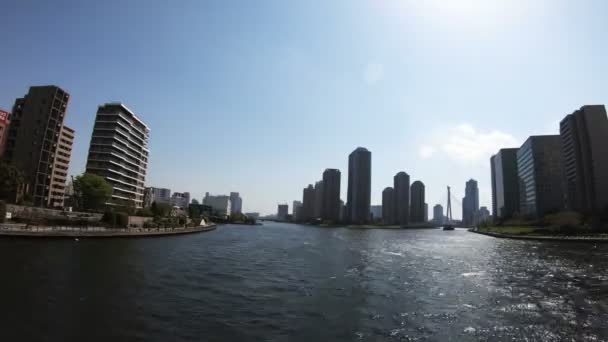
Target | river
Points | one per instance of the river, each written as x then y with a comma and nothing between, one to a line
284,282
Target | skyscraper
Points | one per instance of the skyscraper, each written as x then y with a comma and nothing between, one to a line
308,203
318,206
539,169
505,186
438,214
282,212
470,203
296,210
331,195
359,185
388,205
375,212
236,203
39,144
584,138
401,188
119,152
417,205
426,212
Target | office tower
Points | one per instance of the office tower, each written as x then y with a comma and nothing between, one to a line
180,199
282,212
296,211
35,140
539,170
505,188
237,203
401,187
318,207
388,205
584,138
295,206
331,195
417,204
376,212
119,153
470,203
438,214
359,185
342,211
484,214
4,123
308,203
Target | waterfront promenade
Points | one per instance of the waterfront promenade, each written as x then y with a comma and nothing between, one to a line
22,230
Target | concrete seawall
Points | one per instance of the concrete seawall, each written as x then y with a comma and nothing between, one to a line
17,230
545,238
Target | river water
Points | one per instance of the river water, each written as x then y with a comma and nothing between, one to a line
283,282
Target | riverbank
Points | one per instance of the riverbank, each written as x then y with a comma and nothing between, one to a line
21,230
373,226
538,234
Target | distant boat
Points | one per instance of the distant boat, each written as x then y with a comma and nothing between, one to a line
448,227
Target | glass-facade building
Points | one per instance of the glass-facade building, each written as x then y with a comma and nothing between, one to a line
505,189
539,170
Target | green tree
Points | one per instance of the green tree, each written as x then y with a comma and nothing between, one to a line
91,191
160,209
11,181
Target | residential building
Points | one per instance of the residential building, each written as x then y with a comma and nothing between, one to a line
331,195
158,195
318,206
470,203
237,203
539,169
308,203
484,214
359,185
401,187
505,184
180,199
376,212
221,204
282,212
584,144
119,153
417,204
35,138
4,123
426,212
342,211
61,164
388,205
296,210
438,214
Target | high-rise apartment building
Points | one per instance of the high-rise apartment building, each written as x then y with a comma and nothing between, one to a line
417,204
376,212
505,184
438,214
426,212
282,212
308,203
318,206
584,138
470,203
401,187
119,153
484,214
38,144
331,195
359,185
296,210
237,203
180,199
221,204
388,206
158,195
539,169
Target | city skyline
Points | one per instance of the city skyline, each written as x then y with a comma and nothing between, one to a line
365,94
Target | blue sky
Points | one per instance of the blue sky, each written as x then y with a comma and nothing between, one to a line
261,96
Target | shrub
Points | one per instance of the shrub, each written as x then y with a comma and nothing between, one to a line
2,211
109,217
566,220
181,221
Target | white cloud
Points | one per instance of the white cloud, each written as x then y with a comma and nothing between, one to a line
374,73
426,151
465,143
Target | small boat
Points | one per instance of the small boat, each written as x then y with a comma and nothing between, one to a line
448,227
